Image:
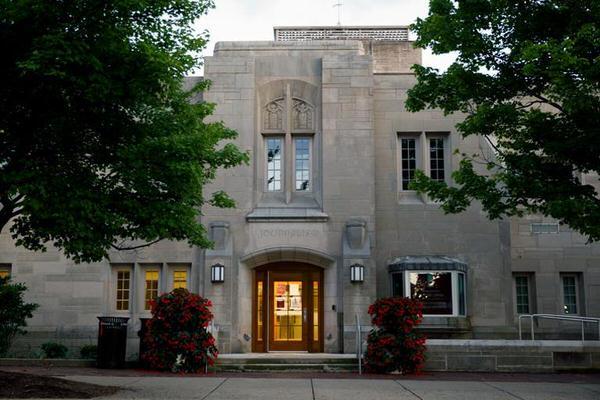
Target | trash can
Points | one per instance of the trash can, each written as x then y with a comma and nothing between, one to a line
142,334
112,342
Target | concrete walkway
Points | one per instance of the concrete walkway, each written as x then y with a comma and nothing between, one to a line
326,388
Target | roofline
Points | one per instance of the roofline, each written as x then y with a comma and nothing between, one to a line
344,27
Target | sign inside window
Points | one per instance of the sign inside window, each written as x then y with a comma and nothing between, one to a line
434,289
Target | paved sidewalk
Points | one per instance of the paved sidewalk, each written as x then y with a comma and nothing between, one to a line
329,388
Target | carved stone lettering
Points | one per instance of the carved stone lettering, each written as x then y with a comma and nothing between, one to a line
287,233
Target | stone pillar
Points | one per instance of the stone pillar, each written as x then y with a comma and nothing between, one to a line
356,249
220,294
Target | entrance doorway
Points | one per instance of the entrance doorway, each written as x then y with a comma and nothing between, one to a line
287,308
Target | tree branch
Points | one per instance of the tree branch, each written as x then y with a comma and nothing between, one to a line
120,248
547,101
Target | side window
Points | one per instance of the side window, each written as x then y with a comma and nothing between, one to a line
151,277
441,292
408,160
180,280
437,167
179,277
523,293
422,151
121,293
571,296
4,270
123,289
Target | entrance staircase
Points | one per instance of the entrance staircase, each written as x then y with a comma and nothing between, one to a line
286,362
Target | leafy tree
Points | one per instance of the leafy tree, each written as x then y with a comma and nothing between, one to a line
100,145
527,76
13,312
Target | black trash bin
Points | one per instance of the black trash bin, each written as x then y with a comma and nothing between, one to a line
112,342
142,334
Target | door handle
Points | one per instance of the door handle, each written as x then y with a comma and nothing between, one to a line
304,314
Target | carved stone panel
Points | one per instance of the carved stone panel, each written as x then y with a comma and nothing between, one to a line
302,115
273,115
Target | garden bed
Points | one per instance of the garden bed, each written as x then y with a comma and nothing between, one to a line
15,385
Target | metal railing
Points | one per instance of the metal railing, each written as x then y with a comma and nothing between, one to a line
212,329
570,318
359,344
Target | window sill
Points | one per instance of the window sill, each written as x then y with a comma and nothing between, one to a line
446,323
410,197
279,214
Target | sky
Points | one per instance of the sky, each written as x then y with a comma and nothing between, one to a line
254,19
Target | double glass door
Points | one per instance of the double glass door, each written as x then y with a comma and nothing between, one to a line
287,309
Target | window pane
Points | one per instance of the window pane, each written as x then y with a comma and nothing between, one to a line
151,292
315,311
302,156
522,291
274,155
570,294
123,278
436,159
4,273
180,279
287,298
259,310
397,285
462,296
409,161
434,290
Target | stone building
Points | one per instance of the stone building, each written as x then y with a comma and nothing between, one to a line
325,223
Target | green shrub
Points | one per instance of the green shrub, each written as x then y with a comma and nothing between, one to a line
54,350
13,312
89,351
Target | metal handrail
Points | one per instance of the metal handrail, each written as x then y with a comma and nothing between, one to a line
359,345
572,318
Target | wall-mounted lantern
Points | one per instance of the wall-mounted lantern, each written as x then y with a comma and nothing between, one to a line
217,273
357,273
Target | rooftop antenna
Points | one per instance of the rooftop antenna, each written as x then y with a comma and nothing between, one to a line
339,5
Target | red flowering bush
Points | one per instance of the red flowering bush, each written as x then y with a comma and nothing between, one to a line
393,344
177,338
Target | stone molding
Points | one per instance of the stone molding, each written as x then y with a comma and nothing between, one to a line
287,253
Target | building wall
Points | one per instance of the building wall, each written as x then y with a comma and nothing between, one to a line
410,224
356,212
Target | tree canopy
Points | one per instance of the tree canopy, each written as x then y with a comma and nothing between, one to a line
100,144
527,77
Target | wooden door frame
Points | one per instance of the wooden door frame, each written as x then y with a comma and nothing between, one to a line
309,274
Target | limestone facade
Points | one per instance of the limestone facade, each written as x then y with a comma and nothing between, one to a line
345,99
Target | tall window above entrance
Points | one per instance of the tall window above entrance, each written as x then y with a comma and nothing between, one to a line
288,130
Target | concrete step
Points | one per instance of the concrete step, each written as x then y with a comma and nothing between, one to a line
279,367
254,361
274,362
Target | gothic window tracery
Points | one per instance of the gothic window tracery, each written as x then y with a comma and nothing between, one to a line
302,115
273,115
288,128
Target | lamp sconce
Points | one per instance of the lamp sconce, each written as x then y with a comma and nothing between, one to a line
217,273
357,273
